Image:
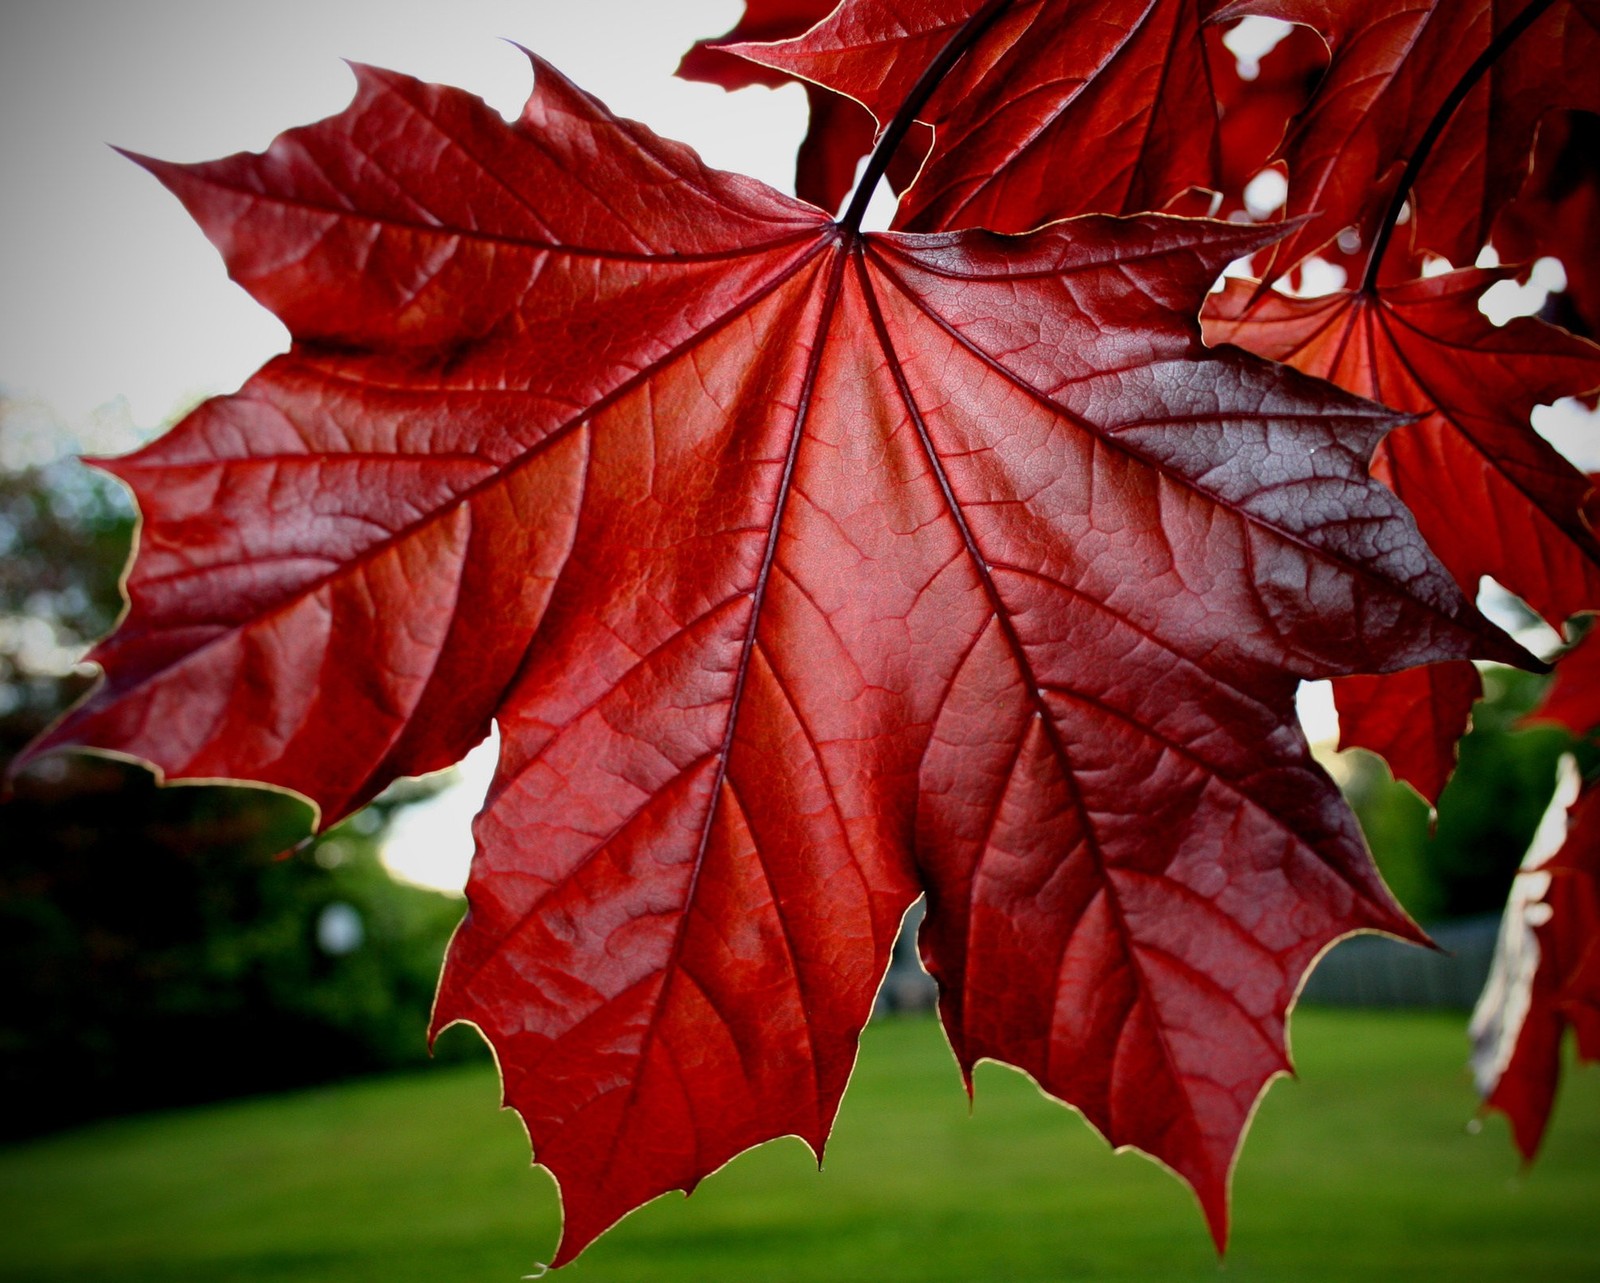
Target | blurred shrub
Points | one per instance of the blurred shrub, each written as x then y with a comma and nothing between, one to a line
164,949
163,946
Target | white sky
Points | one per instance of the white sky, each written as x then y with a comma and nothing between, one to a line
108,291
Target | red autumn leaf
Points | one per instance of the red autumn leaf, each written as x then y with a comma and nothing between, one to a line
1257,111
1482,157
802,570
1558,212
763,20
1056,109
1394,69
1490,495
841,130
1546,976
1411,719
1573,699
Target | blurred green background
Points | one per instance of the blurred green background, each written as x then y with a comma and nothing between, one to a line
1363,1168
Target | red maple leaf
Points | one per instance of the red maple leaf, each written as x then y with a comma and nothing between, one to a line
1256,111
1491,496
1558,212
840,131
1412,719
1573,699
802,570
1462,82
1546,976
1055,109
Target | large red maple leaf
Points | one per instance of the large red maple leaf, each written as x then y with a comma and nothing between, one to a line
802,570
1491,496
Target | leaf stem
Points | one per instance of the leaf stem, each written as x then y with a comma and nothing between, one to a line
967,35
1430,136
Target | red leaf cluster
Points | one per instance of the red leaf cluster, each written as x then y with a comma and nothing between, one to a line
1433,101
1116,96
1512,508
1546,976
805,571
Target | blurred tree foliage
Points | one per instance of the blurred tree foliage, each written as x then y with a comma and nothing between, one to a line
163,946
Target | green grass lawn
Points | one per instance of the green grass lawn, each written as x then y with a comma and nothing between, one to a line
1362,1168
